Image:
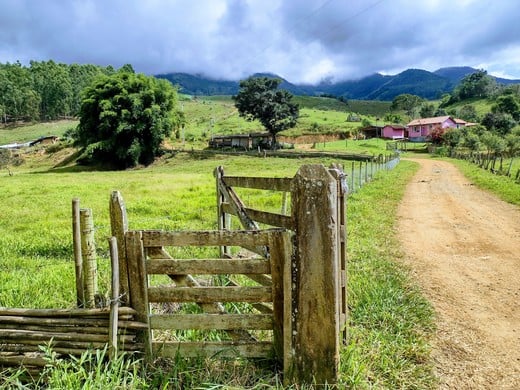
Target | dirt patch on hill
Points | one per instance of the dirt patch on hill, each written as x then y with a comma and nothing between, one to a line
463,246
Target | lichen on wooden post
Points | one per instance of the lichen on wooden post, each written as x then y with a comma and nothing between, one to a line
119,226
316,277
88,251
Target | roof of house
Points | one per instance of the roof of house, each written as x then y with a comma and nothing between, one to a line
396,127
430,121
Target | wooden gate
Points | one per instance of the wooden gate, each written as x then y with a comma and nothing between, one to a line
263,303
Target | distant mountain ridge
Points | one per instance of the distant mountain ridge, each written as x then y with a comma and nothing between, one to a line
429,85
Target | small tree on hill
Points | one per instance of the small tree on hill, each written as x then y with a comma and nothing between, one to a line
124,118
260,99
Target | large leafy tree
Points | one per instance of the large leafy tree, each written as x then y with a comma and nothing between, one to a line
124,117
260,99
407,102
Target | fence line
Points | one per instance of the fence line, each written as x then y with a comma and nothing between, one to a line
363,172
493,162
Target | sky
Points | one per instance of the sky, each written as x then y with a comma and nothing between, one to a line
303,41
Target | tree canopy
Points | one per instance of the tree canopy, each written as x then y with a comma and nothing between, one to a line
125,117
260,99
407,102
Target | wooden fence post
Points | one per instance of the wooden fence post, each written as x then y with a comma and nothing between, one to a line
281,260
114,300
223,219
138,279
119,226
88,251
315,298
78,260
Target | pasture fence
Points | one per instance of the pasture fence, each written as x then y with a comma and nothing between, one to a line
497,163
277,287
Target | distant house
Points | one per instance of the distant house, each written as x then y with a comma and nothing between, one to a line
419,130
243,141
371,131
393,132
462,123
47,140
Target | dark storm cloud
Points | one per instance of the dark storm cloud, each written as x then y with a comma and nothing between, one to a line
303,41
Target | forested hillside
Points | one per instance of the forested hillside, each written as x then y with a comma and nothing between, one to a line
44,90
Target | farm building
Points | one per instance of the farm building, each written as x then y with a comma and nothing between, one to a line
420,129
47,140
393,132
371,131
246,141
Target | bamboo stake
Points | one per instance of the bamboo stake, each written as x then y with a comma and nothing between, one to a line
78,261
88,250
114,302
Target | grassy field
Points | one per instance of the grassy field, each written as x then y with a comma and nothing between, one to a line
21,134
215,115
502,186
389,321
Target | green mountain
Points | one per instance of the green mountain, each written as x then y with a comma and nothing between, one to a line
428,85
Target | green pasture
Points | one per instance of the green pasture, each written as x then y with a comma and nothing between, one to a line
21,134
389,320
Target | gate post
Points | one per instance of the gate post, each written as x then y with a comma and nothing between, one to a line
315,273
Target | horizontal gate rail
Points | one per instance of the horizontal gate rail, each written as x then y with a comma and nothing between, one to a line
146,255
208,266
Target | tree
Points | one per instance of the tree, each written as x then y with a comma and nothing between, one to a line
406,102
53,84
427,110
475,85
507,104
124,118
498,122
259,99
468,112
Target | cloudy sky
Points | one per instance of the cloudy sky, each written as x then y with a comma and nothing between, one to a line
303,41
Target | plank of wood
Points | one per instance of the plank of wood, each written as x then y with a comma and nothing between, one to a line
21,335
207,266
209,294
64,313
138,286
260,183
204,238
230,349
212,321
273,219
119,227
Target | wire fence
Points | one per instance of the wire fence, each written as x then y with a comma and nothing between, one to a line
362,172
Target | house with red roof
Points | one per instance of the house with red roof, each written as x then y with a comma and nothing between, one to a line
419,130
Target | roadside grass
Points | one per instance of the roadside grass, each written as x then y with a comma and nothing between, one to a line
389,321
502,186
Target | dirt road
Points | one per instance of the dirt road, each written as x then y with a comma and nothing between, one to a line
463,246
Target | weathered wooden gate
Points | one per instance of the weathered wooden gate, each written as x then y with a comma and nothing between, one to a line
146,255
296,288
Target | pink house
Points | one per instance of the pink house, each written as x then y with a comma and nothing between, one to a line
420,129
393,131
